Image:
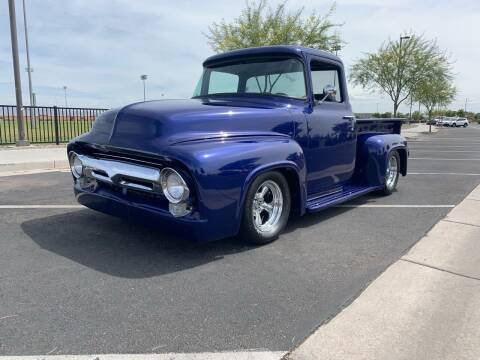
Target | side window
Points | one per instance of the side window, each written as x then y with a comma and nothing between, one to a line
324,74
222,82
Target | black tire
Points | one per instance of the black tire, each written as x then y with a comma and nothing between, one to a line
465,125
249,231
390,187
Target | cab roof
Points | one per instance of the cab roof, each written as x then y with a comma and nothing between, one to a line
267,51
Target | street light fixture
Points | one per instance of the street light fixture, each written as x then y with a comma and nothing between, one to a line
403,38
143,78
337,48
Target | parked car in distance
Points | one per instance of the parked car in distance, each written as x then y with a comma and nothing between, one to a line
269,132
439,120
460,122
455,122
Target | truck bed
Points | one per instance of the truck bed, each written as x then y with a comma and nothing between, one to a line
376,125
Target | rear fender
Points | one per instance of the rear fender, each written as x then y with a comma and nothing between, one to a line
372,156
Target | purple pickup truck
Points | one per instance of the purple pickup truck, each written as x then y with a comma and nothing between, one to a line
269,132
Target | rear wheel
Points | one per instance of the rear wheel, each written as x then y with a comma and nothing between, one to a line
266,210
465,125
392,173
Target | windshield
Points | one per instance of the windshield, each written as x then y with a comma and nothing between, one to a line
279,77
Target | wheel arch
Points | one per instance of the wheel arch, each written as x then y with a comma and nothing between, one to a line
294,176
403,154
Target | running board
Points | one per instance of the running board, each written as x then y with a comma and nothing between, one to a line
348,192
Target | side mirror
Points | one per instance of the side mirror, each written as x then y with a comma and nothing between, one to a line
329,92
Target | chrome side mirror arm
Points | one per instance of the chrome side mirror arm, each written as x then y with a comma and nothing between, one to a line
328,90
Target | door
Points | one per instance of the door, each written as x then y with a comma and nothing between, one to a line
331,131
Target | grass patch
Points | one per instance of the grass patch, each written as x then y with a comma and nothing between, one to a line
43,130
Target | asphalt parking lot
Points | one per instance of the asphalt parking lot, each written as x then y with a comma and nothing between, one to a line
73,281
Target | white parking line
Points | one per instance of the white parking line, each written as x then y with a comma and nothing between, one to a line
441,146
442,159
436,173
393,206
438,138
240,355
41,207
445,151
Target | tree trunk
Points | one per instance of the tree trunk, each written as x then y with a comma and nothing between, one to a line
430,121
395,109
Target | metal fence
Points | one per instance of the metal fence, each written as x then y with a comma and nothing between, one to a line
46,124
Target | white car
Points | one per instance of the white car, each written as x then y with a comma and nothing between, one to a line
460,122
455,122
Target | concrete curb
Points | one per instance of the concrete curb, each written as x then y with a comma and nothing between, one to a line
38,165
33,158
424,306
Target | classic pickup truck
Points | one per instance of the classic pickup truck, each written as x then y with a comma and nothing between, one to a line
269,132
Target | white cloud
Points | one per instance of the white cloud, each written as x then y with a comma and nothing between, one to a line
99,49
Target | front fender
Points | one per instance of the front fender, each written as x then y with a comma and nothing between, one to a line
224,170
372,156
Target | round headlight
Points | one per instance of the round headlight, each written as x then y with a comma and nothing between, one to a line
76,165
173,186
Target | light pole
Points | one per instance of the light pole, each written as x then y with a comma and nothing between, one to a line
16,73
395,107
143,78
466,101
65,93
29,68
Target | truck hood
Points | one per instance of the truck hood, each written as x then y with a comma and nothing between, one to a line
151,126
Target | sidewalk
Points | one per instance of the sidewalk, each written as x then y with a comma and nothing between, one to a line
424,306
415,130
32,158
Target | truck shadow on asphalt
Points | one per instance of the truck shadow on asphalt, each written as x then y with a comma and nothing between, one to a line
122,249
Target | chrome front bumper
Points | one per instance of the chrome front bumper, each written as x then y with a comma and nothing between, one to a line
130,176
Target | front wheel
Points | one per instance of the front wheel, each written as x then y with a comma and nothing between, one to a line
392,174
465,125
266,210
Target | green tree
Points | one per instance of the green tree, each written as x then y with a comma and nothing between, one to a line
417,116
397,67
260,25
434,92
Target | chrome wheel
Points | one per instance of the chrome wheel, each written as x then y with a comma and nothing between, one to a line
392,172
267,207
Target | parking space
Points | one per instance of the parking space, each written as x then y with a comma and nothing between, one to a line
73,281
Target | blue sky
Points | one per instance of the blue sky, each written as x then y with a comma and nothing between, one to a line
99,49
